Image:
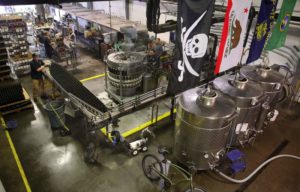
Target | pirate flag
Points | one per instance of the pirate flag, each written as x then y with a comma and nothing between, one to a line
234,30
262,28
280,30
193,26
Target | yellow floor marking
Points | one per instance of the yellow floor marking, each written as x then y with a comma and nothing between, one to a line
142,126
93,77
16,157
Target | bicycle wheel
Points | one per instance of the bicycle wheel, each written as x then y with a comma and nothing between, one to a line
196,189
149,163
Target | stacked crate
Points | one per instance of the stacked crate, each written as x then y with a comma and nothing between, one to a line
4,69
13,97
13,29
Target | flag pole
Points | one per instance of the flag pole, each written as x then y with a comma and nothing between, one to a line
251,16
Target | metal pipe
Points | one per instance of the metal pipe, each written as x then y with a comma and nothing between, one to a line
251,16
263,116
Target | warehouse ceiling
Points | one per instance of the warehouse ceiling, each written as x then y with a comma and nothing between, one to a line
32,2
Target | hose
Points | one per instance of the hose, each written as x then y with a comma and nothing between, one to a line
256,170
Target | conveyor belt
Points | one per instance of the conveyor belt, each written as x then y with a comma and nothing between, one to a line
73,86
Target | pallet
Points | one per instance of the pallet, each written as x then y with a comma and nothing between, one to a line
4,78
29,106
17,106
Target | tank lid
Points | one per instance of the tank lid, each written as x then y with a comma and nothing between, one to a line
239,87
125,59
208,98
262,74
206,103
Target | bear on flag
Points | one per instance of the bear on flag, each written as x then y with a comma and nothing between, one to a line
234,30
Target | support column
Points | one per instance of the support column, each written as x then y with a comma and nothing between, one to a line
127,2
40,10
90,5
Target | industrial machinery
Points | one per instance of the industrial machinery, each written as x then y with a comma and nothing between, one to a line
249,97
98,115
203,122
125,73
134,39
272,81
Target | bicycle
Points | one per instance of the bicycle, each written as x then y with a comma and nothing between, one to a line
154,170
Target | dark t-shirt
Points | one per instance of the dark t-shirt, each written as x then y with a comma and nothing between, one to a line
41,39
48,47
158,50
34,65
47,42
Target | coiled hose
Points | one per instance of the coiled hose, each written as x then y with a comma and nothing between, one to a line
257,169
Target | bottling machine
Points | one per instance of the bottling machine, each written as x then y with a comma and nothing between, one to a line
125,73
130,78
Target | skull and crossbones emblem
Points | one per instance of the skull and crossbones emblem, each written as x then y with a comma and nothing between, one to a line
194,47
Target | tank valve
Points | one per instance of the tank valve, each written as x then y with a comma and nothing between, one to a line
254,101
277,86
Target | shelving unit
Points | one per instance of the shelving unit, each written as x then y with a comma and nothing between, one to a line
4,69
14,55
13,29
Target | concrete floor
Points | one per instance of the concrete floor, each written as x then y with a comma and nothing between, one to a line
55,163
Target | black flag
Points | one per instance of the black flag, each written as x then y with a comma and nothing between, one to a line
193,26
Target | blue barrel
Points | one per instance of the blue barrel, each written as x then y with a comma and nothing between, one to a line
56,113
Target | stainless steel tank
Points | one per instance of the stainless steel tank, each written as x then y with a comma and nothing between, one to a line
125,72
249,97
203,121
272,81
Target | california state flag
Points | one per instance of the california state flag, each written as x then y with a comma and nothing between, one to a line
233,35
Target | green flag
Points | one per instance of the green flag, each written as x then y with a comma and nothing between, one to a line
282,25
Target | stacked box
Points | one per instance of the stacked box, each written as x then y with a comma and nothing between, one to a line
13,29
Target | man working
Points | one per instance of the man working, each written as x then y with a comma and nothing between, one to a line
47,44
151,51
158,51
36,73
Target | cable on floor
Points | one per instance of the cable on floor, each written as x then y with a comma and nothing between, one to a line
257,169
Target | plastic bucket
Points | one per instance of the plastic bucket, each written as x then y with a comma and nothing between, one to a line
56,113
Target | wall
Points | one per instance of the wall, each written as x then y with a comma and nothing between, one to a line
256,3
17,8
137,12
83,4
117,7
